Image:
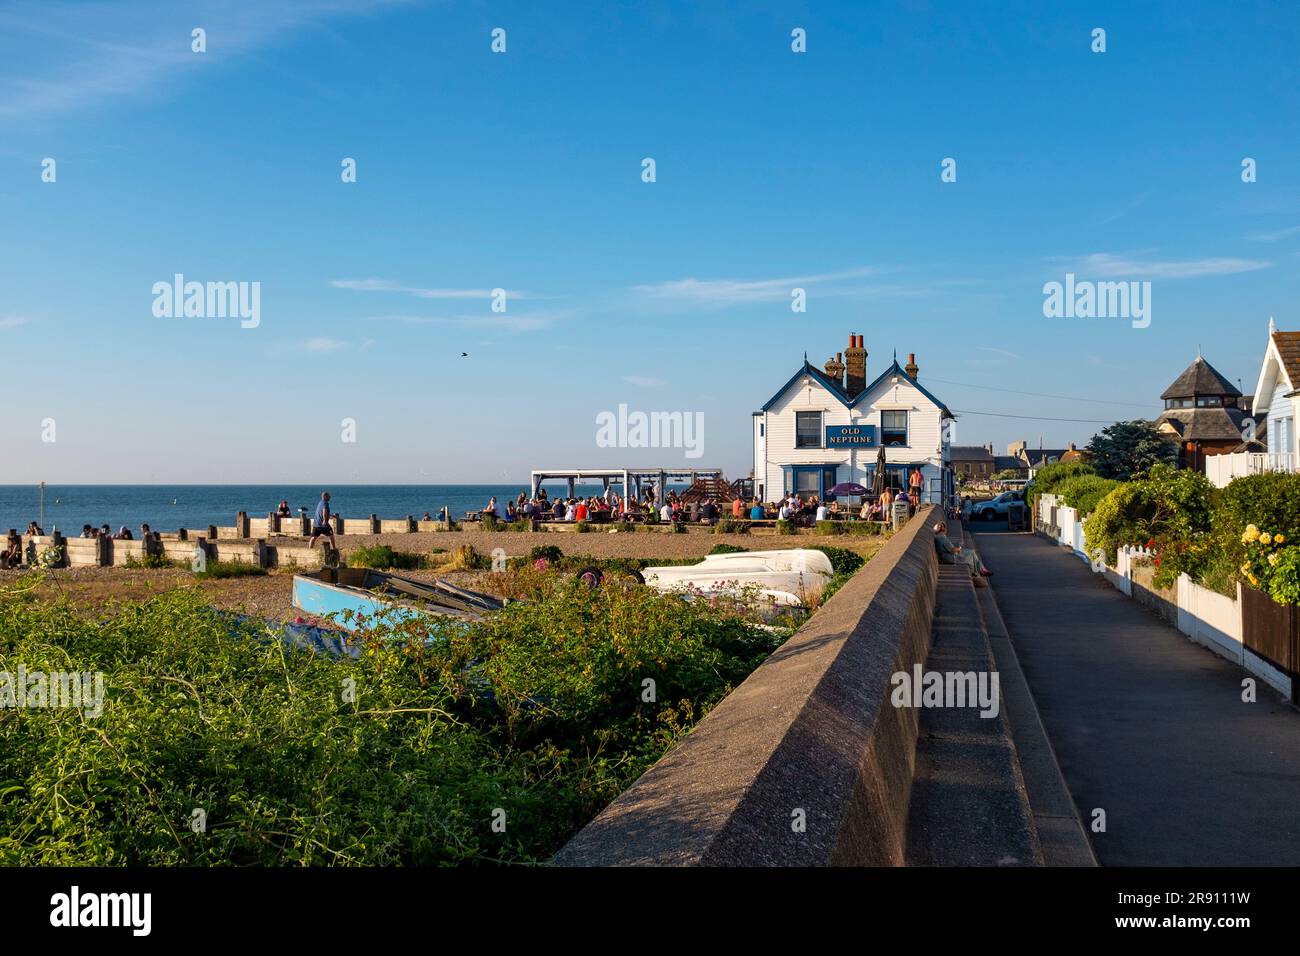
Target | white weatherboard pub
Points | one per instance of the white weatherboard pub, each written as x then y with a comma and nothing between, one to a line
826,426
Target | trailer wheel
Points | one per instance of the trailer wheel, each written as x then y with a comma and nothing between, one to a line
590,576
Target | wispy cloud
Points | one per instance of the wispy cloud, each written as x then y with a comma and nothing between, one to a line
509,321
390,285
1108,264
62,56
1275,236
996,351
729,292
13,321
643,382
323,344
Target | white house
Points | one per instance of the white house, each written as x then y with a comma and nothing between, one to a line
1275,412
826,426
1277,394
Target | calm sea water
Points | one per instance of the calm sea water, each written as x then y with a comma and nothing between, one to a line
168,507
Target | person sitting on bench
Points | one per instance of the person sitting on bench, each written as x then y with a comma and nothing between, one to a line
950,553
12,556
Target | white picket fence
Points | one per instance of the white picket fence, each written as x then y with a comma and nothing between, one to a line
1209,618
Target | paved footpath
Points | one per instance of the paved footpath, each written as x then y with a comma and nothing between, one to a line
1147,725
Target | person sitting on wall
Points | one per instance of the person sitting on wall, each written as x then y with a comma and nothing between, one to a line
35,530
12,555
320,525
756,513
87,531
123,534
283,509
950,553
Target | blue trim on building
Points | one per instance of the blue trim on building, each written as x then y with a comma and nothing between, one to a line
812,371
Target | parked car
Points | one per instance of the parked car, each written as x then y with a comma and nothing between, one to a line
997,507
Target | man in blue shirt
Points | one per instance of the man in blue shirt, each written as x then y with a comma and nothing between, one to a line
320,525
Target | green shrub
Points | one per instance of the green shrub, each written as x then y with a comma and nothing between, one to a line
731,526
489,522
382,557
1169,509
869,528
843,561
155,561
548,552
1269,501
831,527
679,527
726,549
785,526
1047,478
537,711
230,569
1083,492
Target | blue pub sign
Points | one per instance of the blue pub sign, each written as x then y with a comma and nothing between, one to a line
850,436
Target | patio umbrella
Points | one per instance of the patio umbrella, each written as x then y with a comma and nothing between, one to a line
878,479
847,488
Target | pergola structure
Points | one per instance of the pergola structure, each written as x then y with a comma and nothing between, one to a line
631,479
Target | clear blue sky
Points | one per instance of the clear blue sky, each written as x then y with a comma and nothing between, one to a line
523,171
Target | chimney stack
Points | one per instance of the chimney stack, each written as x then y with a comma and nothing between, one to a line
911,368
855,365
835,369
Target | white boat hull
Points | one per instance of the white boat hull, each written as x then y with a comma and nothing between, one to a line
788,578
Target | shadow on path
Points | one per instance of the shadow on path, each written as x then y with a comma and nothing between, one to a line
1148,726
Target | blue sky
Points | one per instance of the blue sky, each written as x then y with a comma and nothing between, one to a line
522,171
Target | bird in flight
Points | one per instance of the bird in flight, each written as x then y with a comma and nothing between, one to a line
464,355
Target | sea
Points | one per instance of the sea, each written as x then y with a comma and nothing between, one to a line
168,507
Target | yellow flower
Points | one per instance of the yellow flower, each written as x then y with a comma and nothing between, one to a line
1254,581
1251,533
1265,539
1244,569
1272,558
1278,539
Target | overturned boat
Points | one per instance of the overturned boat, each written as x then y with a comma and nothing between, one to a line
788,578
370,594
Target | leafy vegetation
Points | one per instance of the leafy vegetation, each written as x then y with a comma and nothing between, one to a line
230,569
1049,477
726,549
731,526
1083,492
1247,531
535,718
382,557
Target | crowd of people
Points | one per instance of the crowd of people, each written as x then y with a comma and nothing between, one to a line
674,507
